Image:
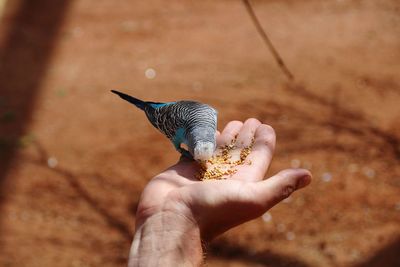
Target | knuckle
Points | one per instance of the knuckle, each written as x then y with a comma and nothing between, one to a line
287,191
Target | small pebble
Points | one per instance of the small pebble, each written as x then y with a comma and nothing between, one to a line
353,168
326,177
52,162
150,73
290,236
338,237
295,163
370,173
197,86
287,200
307,165
267,217
281,228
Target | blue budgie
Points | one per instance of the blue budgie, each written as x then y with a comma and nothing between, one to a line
183,122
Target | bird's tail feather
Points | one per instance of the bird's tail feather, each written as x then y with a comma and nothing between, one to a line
137,102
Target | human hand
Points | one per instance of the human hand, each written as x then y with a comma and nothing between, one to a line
176,210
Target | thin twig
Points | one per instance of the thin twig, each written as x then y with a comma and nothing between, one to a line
267,41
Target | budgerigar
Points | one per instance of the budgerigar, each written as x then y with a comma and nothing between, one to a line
183,122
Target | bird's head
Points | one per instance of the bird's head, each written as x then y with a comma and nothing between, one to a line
201,134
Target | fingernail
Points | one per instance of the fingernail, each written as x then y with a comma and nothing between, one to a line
303,181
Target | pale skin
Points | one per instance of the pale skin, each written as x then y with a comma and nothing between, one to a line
177,212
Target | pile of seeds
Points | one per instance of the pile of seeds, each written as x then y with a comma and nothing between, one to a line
223,164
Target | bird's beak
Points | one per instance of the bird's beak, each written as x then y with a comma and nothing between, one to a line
203,150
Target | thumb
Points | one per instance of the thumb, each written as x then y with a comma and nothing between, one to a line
280,186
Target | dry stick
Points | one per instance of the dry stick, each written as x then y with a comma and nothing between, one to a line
267,41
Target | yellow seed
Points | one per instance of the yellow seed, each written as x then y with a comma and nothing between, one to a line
221,165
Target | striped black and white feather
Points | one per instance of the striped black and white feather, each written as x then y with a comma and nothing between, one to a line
183,122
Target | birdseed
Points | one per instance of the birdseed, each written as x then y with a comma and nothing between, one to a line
222,165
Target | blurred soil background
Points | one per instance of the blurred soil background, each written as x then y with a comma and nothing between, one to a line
74,157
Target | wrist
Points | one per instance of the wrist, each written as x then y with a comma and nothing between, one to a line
166,238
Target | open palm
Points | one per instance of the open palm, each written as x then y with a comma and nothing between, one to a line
218,205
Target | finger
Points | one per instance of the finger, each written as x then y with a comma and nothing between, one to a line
280,186
262,151
229,133
217,136
246,134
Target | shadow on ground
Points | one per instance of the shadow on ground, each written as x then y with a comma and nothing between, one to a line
226,250
31,36
387,256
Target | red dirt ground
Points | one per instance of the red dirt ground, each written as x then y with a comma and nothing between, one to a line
74,157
